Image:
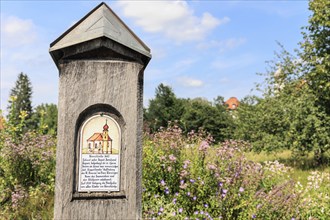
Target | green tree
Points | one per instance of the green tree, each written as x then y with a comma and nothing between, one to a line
45,118
288,116
20,100
200,113
315,52
165,108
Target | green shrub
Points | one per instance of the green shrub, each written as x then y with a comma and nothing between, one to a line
187,177
27,173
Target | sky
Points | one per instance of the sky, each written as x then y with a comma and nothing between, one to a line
199,48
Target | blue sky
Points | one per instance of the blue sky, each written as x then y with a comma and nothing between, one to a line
199,48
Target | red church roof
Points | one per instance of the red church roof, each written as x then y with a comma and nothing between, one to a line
232,103
97,137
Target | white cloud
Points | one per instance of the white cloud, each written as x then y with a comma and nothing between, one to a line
175,19
190,82
17,32
222,45
24,48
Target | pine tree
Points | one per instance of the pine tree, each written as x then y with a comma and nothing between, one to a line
20,100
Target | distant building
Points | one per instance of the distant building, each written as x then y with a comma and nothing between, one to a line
2,122
232,103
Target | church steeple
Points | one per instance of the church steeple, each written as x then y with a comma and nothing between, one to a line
105,135
106,127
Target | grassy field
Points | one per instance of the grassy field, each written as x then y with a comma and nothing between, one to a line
301,168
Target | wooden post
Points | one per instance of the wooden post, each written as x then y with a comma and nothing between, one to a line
99,151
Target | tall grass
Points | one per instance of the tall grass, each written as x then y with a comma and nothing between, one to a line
301,168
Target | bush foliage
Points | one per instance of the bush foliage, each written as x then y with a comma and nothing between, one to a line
27,173
188,178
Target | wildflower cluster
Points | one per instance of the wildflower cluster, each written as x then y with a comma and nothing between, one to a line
316,196
189,178
27,173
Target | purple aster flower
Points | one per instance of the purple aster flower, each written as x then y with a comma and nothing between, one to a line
188,193
172,158
196,212
180,210
220,184
204,146
241,189
192,180
162,182
185,164
176,194
181,182
174,201
173,213
194,198
202,212
254,216
206,205
224,191
211,167
161,209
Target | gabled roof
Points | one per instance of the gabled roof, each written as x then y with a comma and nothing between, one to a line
232,103
2,122
97,137
100,22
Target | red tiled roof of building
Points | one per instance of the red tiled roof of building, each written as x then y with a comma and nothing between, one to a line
232,103
2,121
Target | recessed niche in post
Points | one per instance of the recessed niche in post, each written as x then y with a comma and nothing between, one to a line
99,162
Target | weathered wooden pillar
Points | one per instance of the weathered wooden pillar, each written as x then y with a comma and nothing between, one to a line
98,161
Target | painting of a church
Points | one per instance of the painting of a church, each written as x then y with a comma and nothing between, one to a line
100,143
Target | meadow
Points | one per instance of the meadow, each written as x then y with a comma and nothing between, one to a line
301,169
185,176
191,178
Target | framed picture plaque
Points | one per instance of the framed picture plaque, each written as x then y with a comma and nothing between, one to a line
99,156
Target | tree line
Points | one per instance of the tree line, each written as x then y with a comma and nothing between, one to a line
292,113
188,114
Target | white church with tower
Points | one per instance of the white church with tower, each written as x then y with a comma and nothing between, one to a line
100,143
